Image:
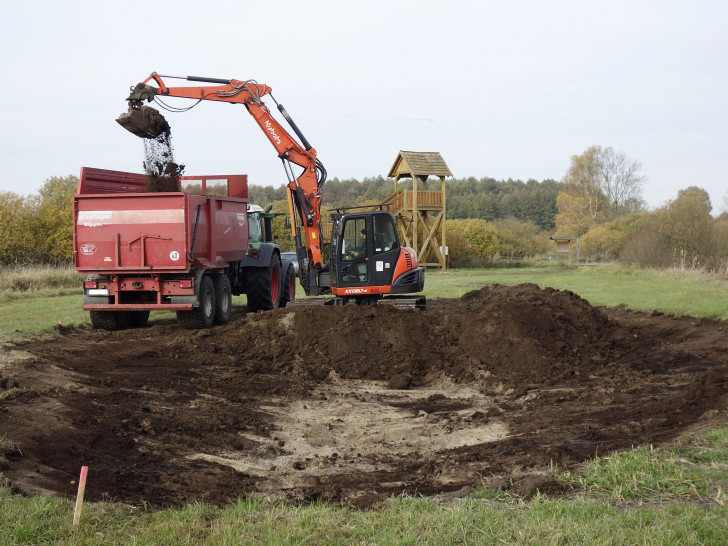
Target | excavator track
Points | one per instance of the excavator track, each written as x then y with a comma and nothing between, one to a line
401,302
405,302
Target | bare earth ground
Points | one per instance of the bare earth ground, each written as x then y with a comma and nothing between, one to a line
354,404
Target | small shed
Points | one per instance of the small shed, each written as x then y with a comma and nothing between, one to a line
563,245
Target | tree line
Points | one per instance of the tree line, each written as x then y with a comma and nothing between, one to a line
485,198
38,229
599,201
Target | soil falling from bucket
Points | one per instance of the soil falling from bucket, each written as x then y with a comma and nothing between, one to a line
162,172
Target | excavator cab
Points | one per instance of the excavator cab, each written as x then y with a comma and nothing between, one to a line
368,260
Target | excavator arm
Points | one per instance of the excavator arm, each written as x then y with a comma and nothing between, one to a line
304,189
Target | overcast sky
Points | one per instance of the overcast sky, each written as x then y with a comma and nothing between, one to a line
502,89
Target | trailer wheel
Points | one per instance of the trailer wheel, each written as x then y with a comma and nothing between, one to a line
203,315
289,287
223,299
109,320
138,319
263,286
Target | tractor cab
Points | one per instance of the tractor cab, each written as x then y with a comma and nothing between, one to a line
255,224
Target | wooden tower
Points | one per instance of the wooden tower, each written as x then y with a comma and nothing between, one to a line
420,211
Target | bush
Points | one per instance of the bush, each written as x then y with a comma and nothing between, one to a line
606,241
469,240
462,253
682,235
519,238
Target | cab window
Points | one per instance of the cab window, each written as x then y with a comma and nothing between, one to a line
255,234
354,241
385,238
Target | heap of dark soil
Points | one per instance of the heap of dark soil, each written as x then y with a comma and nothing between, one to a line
508,336
354,404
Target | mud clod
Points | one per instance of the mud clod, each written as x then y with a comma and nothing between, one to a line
144,122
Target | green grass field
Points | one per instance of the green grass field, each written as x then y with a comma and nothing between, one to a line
672,292
34,301
672,495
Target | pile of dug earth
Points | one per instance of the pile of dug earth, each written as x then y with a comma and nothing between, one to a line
355,404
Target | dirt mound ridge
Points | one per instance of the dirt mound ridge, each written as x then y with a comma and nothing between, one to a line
507,336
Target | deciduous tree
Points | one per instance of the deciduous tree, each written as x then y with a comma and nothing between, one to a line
680,234
601,184
13,217
53,226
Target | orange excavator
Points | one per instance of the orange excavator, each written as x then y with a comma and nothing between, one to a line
367,263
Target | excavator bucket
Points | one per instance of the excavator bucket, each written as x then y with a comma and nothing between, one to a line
144,122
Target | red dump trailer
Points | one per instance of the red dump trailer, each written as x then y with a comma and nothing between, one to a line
187,251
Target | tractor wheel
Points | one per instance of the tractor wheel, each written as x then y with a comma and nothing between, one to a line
264,286
289,287
223,299
109,320
203,315
138,319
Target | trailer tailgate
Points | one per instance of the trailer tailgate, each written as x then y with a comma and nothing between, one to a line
131,232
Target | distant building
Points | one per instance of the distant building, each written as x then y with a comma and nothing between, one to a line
563,246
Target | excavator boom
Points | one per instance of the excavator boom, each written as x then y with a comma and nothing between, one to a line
380,268
304,188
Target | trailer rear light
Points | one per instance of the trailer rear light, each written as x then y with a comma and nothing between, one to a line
254,253
90,284
185,284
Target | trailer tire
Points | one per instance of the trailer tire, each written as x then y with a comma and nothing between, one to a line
109,320
138,319
264,286
203,315
289,287
223,299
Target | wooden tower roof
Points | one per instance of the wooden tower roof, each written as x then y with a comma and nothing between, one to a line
419,164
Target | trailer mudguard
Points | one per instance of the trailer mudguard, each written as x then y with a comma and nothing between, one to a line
195,299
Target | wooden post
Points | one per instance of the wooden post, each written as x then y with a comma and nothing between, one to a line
415,215
443,227
79,496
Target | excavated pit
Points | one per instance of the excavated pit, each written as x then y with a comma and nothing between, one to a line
354,404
